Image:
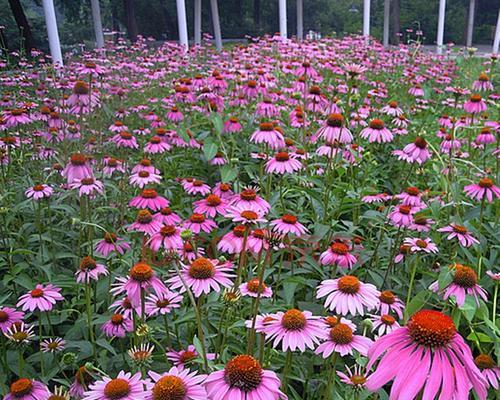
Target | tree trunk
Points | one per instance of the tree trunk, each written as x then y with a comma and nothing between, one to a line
256,15
130,20
396,20
23,25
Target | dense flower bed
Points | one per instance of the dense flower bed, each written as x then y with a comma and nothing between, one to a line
311,220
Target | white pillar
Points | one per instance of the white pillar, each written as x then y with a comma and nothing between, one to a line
387,11
470,23
366,17
216,22
53,34
440,32
300,19
197,21
182,22
283,31
496,42
96,16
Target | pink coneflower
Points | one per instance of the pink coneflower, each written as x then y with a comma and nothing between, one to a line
464,283
338,254
489,369
402,216
416,90
377,132
353,377
232,125
348,295
461,233
392,109
118,126
167,217
415,152
125,139
211,206
341,339
168,237
17,116
8,317
198,223
80,383
288,224
475,104
141,278
176,384
156,146
112,165
421,224
282,163
55,345
203,275
87,187
482,83
249,197
144,178
42,298
383,324
27,389
376,198
20,333
149,198
183,357
243,379
223,190
91,68
334,130
77,168
485,137
175,115
111,243
124,387
253,288
294,329
117,326
427,354
89,270
390,302
232,242
258,241
162,304
269,135
125,307
189,253
411,196
195,186
484,189
246,214
418,245
218,159
38,192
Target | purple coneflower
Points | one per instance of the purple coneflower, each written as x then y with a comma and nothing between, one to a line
55,345
8,317
461,233
475,104
288,223
117,326
111,243
338,254
89,270
254,288
418,245
162,304
426,355
177,383
242,379
489,369
484,189
211,206
27,389
149,198
145,223
390,302
124,387
38,192
282,163
341,339
377,132
42,298
348,295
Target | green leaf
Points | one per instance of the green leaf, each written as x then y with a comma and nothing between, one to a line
417,302
482,337
228,174
209,149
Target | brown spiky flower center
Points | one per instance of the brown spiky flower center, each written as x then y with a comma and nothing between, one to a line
349,284
243,372
201,268
169,387
431,328
116,389
341,334
293,320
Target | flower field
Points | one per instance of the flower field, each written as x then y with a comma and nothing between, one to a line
305,220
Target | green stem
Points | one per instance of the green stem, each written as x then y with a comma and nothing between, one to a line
40,334
330,386
286,370
412,281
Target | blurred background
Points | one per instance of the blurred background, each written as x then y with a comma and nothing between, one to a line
158,19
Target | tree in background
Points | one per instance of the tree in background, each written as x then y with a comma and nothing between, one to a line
158,19
23,25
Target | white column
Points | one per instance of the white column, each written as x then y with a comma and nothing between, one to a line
182,22
300,19
53,34
96,16
197,21
497,35
470,23
440,32
366,17
283,31
216,22
387,11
